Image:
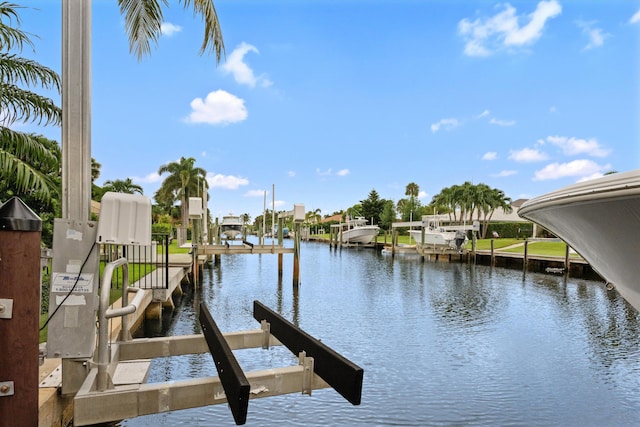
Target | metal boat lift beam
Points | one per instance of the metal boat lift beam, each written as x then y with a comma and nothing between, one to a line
235,383
340,373
130,400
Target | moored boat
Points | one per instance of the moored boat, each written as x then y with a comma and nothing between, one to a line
600,220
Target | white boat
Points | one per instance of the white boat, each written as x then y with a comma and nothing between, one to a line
600,220
438,236
357,230
231,226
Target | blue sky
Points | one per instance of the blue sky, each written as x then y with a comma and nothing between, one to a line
327,100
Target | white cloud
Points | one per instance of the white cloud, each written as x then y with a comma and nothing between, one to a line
577,168
240,71
422,194
255,193
502,123
446,124
571,146
595,35
485,36
218,108
168,29
147,179
343,172
635,18
323,173
490,155
228,182
505,173
291,174
485,113
527,155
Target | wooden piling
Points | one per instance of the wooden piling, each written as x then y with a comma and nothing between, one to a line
20,232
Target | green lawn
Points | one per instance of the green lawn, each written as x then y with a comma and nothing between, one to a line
136,271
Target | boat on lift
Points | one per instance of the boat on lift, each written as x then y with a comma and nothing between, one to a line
438,236
231,226
358,230
600,220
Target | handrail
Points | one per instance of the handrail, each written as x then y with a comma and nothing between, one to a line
106,313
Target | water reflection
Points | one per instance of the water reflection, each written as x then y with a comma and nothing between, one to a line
441,344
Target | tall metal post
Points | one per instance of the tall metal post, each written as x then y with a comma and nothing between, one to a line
76,109
20,231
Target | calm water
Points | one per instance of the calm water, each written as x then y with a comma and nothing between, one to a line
440,344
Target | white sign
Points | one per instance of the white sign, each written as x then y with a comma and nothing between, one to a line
71,282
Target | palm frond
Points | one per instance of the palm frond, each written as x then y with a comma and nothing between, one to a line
143,20
22,71
22,175
213,41
10,36
19,104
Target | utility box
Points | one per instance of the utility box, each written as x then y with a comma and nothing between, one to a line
125,219
298,213
73,297
195,207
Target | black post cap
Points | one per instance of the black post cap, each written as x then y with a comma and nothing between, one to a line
16,216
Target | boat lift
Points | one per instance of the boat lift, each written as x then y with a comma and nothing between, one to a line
115,389
108,381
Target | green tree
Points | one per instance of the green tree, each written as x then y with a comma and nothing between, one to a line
184,181
122,186
388,216
372,207
24,159
412,206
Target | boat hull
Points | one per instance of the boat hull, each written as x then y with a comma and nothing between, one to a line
441,240
361,235
600,220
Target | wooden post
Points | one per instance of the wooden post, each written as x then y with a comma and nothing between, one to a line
526,255
280,243
296,255
566,260
20,232
493,258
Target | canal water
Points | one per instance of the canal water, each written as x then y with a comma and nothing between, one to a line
440,344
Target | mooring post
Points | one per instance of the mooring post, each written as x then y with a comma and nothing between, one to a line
525,261
20,232
566,259
296,255
493,255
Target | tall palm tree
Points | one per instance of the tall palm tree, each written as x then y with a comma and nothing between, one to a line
184,181
22,155
122,186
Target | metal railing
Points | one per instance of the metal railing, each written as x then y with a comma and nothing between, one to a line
149,265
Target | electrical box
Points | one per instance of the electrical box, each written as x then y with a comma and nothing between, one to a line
125,219
298,213
195,207
73,297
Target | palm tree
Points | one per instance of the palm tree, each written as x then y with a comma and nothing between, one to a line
412,190
184,181
122,186
23,156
